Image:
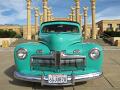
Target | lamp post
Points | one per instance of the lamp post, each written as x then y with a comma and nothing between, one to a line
93,9
85,21
29,32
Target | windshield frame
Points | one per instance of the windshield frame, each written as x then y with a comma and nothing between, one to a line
56,23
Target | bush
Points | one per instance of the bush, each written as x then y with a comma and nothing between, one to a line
18,36
112,33
8,34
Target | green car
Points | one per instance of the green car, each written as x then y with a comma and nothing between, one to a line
60,57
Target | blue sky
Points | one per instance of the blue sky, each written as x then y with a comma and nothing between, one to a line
14,11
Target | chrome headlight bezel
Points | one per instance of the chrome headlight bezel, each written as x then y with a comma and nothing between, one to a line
21,53
94,53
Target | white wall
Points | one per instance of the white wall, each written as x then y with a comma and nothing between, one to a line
113,39
9,39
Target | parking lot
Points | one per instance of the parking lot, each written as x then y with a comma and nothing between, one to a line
109,81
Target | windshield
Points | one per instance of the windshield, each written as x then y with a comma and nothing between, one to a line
60,28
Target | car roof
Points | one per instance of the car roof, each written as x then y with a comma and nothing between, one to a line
61,21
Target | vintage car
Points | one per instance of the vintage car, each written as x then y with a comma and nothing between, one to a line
59,57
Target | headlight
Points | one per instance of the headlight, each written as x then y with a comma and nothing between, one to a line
21,53
94,54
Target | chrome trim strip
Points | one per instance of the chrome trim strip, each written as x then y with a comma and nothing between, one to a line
73,57
43,56
77,78
62,56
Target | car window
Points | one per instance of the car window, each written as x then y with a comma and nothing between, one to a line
60,28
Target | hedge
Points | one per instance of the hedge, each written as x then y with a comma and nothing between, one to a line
8,34
112,33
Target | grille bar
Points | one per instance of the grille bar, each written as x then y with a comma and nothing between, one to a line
56,61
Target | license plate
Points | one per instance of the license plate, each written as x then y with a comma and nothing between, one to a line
57,79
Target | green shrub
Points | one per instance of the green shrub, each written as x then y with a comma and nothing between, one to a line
8,34
18,36
112,33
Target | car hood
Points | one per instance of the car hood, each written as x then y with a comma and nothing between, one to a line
60,42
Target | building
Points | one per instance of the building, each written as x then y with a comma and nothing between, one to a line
105,25
19,29
16,28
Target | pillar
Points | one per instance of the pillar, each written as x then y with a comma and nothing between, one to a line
85,21
93,9
52,18
70,17
29,30
80,21
51,14
36,20
45,10
77,9
73,14
41,18
48,14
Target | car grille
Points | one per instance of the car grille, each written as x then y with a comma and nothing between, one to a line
62,63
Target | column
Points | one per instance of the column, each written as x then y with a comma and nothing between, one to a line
51,14
93,9
80,21
36,20
77,7
70,17
52,18
45,10
48,14
85,21
41,18
73,14
29,30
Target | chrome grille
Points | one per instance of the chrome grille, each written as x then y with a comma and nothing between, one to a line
65,63
72,62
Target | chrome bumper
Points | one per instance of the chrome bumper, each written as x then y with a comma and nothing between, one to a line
71,79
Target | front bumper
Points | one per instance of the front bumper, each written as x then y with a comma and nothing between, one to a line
71,79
